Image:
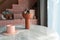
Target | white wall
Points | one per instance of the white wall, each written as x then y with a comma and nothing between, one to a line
50,12
54,15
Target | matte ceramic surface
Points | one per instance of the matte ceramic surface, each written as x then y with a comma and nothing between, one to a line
27,19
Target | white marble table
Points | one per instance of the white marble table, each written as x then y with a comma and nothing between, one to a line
35,32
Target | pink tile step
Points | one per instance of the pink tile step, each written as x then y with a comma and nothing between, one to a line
22,1
19,7
15,6
10,9
18,15
16,22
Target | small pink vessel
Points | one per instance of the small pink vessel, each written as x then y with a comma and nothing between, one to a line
10,30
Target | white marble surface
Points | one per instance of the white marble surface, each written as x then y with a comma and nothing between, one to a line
35,32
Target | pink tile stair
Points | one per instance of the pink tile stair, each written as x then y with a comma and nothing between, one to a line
17,10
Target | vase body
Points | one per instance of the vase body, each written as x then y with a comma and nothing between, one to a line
27,19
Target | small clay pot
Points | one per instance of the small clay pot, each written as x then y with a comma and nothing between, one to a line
10,30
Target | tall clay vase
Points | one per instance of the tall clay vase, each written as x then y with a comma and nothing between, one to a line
27,17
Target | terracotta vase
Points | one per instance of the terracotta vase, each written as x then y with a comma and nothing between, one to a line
27,17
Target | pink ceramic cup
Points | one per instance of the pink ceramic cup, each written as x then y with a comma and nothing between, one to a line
10,29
